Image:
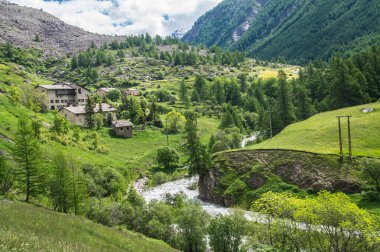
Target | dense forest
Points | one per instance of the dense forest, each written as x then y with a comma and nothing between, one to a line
327,27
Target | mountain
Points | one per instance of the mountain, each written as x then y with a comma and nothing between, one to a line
25,27
297,30
179,33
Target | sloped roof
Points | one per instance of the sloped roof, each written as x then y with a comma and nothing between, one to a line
57,87
82,110
122,123
62,86
107,89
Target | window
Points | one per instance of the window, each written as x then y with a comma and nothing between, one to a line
56,101
79,91
52,107
51,101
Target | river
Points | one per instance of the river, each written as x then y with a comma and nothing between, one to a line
183,185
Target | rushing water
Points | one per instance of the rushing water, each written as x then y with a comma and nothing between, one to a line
183,185
252,138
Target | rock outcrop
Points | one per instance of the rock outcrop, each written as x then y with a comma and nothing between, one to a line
239,174
20,25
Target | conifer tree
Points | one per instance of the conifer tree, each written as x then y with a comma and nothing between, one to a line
60,188
195,96
6,178
90,113
284,100
198,157
29,173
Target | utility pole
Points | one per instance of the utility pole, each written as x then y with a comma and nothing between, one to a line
349,136
340,138
270,123
167,133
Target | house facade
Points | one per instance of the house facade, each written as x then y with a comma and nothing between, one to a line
77,114
132,92
123,128
102,92
60,95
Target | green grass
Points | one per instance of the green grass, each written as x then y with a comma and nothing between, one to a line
24,227
319,134
136,153
12,74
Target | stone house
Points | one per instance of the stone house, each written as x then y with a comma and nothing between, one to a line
76,114
132,92
102,92
123,128
60,95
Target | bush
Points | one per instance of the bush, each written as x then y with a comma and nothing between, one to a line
167,156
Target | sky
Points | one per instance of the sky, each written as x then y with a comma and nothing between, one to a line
125,17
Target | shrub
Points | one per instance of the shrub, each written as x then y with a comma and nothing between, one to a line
167,156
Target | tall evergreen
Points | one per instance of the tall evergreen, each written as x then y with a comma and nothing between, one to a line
284,99
184,94
89,112
198,157
6,178
195,96
200,86
60,184
29,172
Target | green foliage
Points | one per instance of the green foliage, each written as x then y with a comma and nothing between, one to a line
371,171
285,105
327,28
198,157
227,232
90,112
167,156
114,95
174,122
26,227
6,178
60,191
29,173
331,221
60,125
192,221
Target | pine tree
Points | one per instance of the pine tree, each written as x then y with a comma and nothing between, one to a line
303,102
6,178
90,113
195,96
285,104
183,93
60,188
74,63
200,86
198,158
27,154
218,90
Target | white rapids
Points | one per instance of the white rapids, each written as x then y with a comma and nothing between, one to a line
252,138
183,185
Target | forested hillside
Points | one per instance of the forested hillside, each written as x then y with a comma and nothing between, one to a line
297,30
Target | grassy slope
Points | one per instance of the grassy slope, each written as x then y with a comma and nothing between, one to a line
28,228
134,153
319,134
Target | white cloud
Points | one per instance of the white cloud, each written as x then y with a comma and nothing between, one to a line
107,16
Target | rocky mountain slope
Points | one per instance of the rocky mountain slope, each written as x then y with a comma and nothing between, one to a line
20,25
298,30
